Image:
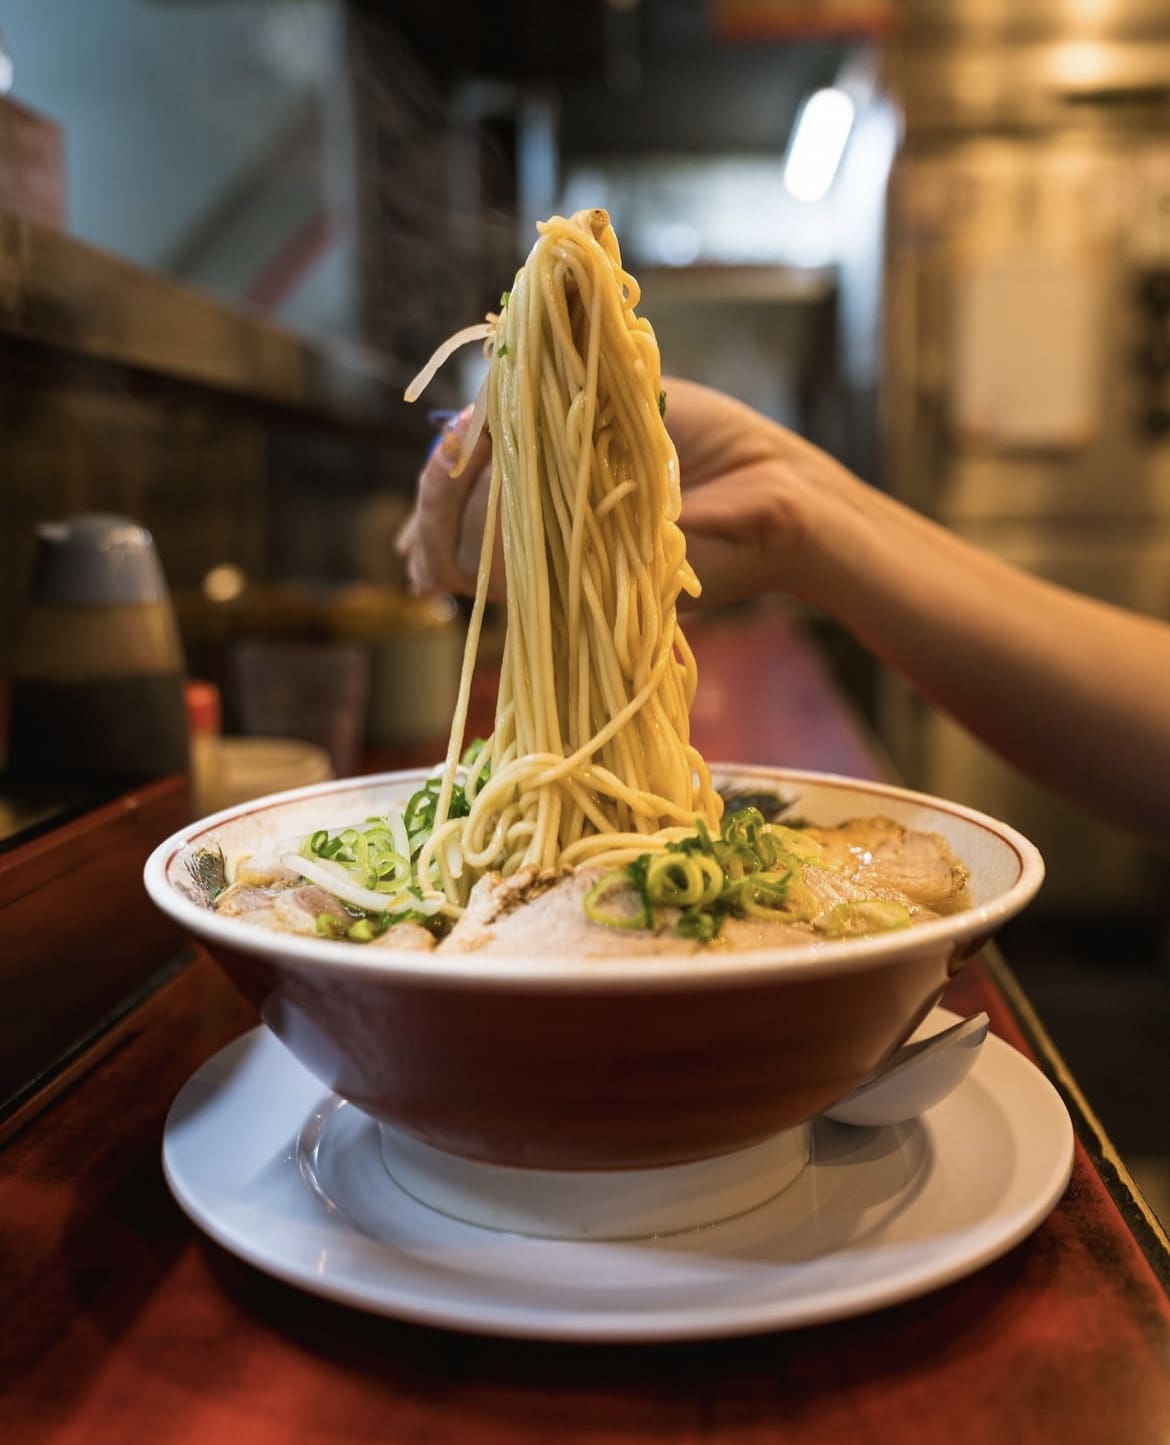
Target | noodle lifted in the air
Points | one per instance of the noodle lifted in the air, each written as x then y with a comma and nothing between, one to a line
591,755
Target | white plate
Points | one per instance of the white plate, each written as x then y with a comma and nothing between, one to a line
293,1182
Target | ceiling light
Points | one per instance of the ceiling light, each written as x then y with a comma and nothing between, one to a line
818,143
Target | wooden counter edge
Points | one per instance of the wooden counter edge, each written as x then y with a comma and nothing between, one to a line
1145,1225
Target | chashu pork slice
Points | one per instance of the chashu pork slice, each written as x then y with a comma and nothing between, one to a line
290,905
541,913
881,857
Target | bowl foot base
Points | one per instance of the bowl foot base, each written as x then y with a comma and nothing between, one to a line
596,1204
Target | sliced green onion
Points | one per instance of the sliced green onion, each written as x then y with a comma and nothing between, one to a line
866,915
369,928
712,879
760,895
371,870
740,828
675,880
699,923
705,878
617,881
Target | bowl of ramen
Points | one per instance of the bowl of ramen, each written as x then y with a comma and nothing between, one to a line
577,954
541,1031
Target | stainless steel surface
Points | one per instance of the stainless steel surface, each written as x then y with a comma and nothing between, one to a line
1046,64
1087,218
1027,344
978,18
961,21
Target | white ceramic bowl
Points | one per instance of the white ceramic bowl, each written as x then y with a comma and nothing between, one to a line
598,1063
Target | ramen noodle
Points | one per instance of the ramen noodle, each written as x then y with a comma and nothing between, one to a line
590,760
587,822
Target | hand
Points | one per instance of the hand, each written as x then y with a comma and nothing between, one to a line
763,509
749,489
441,538
739,499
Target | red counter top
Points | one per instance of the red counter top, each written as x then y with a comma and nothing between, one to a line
122,1323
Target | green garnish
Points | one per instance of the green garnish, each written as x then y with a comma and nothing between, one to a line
866,915
330,927
419,815
752,869
698,923
617,881
367,927
382,857
504,299
661,403
739,873
502,349
373,856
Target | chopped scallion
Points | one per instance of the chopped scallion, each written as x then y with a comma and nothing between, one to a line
739,873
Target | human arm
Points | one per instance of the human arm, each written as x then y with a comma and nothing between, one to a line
718,440
1070,690
1073,691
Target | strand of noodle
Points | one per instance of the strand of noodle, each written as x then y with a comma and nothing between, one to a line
631,844
485,856
532,769
645,803
612,849
479,332
584,468
591,723
430,859
539,619
614,726
580,733
621,584
606,859
618,635
463,697
536,624
588,807
611,499
585,404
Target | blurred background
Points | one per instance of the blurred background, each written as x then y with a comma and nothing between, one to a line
934,236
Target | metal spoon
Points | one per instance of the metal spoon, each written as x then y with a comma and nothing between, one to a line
917,1076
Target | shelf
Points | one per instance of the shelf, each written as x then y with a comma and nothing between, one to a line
58,293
